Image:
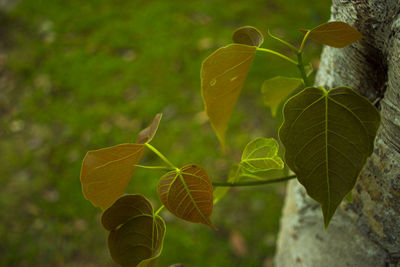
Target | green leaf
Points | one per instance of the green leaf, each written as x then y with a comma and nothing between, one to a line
328,137
106,172
336,33
261,155
147,134
248,35
136,234
188,194
349,197
222,77
125,208
277,89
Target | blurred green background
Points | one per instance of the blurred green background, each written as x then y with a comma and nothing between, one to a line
81,75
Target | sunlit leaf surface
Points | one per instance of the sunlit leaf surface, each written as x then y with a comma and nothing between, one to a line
261,154
328,138
277,89
222,77
336,33
147,134
138,239
188,194
248,35
106,172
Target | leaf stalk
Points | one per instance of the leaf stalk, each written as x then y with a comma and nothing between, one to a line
161,156
253,183
277,54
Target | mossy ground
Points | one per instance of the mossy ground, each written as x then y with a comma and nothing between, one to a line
81,75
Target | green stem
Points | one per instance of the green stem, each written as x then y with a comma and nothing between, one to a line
254,183
294,49
277,54
300,65
158,211
304,41
161,156
154,167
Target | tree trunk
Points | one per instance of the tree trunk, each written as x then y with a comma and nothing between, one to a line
367,232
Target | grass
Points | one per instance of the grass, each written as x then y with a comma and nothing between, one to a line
81,75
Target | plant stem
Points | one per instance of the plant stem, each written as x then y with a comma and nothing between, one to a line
159,209
277,54
294,49
161,156
254,183
154,167
304,41
300,65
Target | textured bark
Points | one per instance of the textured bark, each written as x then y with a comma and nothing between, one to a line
367,232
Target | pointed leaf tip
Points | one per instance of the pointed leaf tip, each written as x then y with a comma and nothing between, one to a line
335,33
147,134
223,74
106,172
328,137
248,35
188,194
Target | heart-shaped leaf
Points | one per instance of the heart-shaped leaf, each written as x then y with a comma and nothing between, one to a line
188,194
124,209
248,35
261,154
335,33
106,172
138,240
147,134
328,137
222,77
277,89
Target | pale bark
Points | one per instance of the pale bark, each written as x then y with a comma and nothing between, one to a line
367,232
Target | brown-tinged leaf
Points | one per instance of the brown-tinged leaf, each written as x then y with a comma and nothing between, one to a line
336,34
125,208
138,242
106,172
188,194
248,35
222,77
147,134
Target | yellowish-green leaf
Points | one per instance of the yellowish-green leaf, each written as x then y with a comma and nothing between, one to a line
277,89
248,35
147,134
223,74
124,209
336,34
106,172
328,137
261,154
349,197
138,240
188,194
